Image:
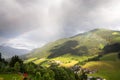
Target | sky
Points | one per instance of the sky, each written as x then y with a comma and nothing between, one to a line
28,24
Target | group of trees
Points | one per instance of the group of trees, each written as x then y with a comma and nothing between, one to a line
12,65
37,72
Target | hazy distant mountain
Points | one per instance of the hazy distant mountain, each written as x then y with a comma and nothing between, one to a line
8,52
88,43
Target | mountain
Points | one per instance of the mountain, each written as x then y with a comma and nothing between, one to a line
88,43
8,52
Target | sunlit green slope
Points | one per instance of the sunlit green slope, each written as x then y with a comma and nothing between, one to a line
88,43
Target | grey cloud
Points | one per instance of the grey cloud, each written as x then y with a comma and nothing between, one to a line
47,20
16,19
89,14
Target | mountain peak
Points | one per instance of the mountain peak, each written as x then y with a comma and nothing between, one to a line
100,29
8,52
93,31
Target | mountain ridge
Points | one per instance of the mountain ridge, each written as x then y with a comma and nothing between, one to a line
90,41
8,52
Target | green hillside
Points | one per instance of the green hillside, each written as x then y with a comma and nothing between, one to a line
88,43
108,67
83,49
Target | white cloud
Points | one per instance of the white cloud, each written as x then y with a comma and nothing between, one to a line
23,43
107,13
35,38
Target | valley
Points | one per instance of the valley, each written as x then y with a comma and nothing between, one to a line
95,53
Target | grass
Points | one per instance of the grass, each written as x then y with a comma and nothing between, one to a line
110,57
108,67
10,77
38,61
69,64
65,60
115,33
30,60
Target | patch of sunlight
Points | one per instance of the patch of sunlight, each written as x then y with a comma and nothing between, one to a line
38,61
71,63
98,65
115,33
101,46
1,78
30,60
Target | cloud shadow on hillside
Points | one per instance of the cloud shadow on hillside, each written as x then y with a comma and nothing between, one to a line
68,48
112,48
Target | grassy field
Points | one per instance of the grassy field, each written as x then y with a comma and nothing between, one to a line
38,61
108,67
110,57
65,60
10,77
30,60
68,60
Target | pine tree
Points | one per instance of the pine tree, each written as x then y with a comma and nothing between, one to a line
15,59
